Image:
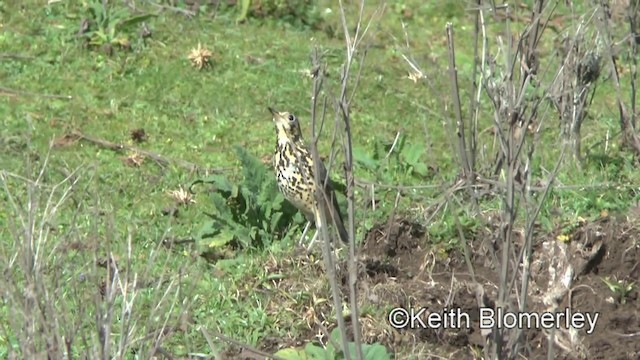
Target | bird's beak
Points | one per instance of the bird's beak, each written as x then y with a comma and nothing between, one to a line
273,112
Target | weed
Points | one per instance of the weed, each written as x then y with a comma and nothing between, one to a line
620,288
311,351
390,161
200,57
298,12
445,231
107,26
251,213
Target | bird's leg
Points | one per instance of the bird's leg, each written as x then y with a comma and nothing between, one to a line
313,240
315,236
304,232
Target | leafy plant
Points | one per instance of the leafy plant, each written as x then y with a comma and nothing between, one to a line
446,230
251,212
392,159
409,158
108,25
374,351
620,288
296,12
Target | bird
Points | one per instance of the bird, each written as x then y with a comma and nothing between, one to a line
294,169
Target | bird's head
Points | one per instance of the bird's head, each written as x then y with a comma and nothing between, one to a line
287,126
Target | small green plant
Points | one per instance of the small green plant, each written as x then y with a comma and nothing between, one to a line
392,159
620,288
296,12
251,212
445,231
374,351
106,25
409,158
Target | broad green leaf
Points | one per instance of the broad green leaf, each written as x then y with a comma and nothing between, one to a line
276,205
134,20
223,238
220,204
413,153
360,156
222,183
253,233
275,219
267,210
371,352
399,148
421,169
288,354
244,10
375,352
336,335
252,169
209,229
293,354
316,352
268,192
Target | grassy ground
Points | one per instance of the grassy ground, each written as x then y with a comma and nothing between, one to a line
52,85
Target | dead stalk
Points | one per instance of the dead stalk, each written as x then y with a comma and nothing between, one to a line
327,253
51,288
341,106
467,158
627,120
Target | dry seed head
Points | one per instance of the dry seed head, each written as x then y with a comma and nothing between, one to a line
181,196
200,57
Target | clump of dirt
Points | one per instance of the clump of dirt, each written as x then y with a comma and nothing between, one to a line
569,274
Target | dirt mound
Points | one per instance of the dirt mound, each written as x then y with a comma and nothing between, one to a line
570,270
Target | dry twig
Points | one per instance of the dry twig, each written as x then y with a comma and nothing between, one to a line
159,159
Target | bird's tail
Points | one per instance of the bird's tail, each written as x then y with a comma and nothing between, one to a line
335,217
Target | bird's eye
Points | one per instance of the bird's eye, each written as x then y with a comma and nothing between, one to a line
291,118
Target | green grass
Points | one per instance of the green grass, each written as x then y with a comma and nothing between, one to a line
198,116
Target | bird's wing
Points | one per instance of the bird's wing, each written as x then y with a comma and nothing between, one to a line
333,199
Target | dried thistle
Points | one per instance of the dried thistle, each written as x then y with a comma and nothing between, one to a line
415,75
134,159
181,196
200,57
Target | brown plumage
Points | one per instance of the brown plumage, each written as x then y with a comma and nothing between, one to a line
294,169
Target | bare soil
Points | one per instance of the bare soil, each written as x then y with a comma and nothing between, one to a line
399,272
397,269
